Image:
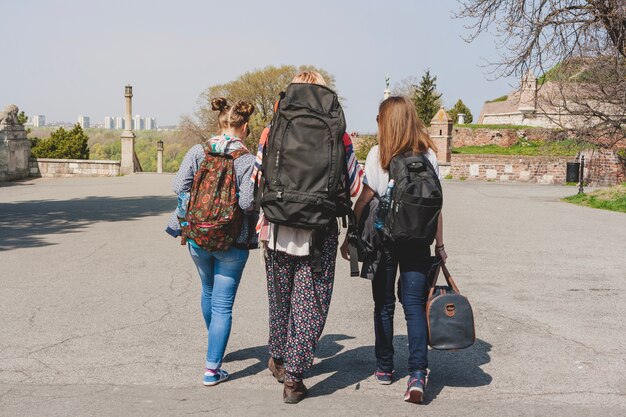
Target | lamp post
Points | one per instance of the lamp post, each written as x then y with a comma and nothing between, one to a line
581,184
160,156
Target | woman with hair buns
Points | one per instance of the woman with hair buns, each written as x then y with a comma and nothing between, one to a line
220,270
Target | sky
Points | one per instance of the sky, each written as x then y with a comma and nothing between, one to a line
67,58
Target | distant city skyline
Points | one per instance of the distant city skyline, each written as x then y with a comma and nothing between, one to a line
170,55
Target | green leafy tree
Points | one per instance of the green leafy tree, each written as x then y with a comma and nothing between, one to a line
460,108
22,119
427,100
62,144
261,87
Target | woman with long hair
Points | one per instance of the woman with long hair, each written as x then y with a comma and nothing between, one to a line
220,270
400,131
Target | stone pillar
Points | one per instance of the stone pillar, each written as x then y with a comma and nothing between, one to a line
441,133
14,146
461,120
160,156
127,165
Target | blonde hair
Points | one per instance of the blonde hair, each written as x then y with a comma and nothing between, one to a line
309,77
400,130
231,116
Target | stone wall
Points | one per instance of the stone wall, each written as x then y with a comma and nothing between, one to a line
53,168
466,136
537,169
602,168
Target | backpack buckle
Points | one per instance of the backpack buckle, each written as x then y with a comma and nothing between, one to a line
279,196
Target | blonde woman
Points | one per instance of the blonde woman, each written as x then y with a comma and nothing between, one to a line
399,131
299,296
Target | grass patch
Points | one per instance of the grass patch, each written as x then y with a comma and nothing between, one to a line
569,147
613,199
496,100
448,177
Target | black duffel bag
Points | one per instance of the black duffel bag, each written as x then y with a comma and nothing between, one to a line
449,315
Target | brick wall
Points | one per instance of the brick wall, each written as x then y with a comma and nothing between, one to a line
53,168
465,136
602,168
538,169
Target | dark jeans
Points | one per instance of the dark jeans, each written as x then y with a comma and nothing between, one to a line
415,264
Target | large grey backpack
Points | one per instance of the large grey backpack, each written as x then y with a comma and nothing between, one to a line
304,159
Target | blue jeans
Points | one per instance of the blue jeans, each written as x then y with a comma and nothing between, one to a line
220,273
414,265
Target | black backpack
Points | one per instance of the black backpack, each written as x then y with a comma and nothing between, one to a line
304,160
416,202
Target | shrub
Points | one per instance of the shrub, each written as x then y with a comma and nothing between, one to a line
62,144
363,147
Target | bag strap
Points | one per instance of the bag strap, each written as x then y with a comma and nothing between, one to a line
449,280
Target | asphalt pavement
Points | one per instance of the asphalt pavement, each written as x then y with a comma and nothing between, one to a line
100,311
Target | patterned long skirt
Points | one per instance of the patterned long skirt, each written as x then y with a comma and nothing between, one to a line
298,301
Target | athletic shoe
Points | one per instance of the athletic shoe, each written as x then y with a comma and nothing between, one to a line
383,378
415,387
214,378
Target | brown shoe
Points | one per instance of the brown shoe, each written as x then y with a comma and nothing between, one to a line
277,369
294,392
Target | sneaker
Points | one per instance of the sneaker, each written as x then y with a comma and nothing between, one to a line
383,378
214,378
415,387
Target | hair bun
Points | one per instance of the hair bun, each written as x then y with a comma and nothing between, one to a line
219,104
244,108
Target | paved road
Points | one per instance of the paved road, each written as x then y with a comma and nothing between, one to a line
99,312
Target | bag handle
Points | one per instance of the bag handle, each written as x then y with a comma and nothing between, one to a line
449,280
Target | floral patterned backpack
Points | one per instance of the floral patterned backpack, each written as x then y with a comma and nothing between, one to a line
214,219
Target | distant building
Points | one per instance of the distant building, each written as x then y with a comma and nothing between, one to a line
138,122
150,123
39,120
120,123
109,122
83,121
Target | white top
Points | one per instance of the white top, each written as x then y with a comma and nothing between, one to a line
377,178
289,240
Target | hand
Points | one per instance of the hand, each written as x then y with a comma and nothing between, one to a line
441,254
345,251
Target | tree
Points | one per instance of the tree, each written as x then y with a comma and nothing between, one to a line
22,119
583,41
426,99
460,108
62,144
260,87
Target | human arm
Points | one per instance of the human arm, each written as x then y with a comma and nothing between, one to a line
188,167
364,199
440,250
244,165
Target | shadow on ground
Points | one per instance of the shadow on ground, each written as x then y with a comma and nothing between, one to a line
347,368
448,368
25,224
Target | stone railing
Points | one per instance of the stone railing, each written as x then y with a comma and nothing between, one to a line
53,168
